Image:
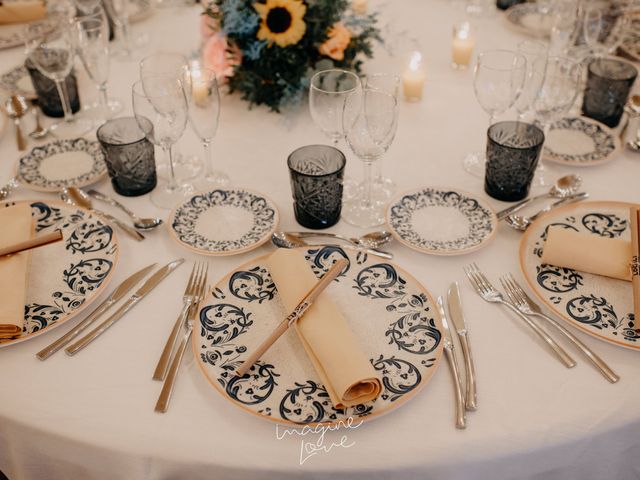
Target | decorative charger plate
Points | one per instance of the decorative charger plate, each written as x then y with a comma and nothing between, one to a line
67,276
225,221
529,19
61,164
597,305
17,81
441,221
393,316
580,142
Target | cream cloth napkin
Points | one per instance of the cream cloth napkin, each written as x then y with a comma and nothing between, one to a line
17,226
589,253
344,369
22,11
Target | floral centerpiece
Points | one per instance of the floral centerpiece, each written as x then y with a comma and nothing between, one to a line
268,49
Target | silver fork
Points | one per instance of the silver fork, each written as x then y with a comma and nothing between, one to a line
483,287
526,305
165,395
188,299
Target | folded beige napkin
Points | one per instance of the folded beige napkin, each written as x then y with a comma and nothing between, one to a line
332,347
589,253
21,11
17,226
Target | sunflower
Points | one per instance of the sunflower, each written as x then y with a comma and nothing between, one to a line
282,21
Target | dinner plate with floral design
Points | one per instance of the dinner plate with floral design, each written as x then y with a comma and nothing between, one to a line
597,305
17,81
530,19
394,317
441,221
225,221
62,164
65,277
580,142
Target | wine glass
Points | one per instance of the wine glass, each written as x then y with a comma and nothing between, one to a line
93,48
162,116
204,114
383,187
497,82
52,52
604,31
175,66
533,51
369,122
565,26
557,93
119,12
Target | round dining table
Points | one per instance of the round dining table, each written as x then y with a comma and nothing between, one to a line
91,416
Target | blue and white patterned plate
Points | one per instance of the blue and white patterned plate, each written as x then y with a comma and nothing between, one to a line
225,221
580,142
441,221
62,164
393,316
17,81
65,277
597,305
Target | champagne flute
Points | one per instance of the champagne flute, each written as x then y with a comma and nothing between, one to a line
119,12
162,116
52,52
497,82
93,49
176,66
204,114
370,120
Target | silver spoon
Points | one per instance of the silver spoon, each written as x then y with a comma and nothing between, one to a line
16,107
141,223
75,196
288,240
369,240
39,131
522,223
564,187
633,109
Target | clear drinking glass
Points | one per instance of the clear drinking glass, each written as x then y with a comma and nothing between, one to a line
175,66
93,48
498,78
370,120
162,116
565,26
604,30
52,52
383,187
533,51
204,114
127,44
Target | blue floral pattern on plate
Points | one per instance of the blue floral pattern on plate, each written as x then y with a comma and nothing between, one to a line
598,305
601,147
469,223
400,331
62,283
30,173
246,220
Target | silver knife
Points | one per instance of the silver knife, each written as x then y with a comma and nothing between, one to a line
133,300
119,292
450,352
455,311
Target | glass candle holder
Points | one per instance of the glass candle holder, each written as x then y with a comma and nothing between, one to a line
413,78
462,45
48,97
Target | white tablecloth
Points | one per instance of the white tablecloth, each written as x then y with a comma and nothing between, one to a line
91,416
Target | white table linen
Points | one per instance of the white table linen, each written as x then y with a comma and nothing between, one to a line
91,416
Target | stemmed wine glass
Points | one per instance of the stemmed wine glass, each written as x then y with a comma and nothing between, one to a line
557,93
383,187
92,32
175,66
52,51
161,113
498,78
369,122
204,113
328,90
119,12
604,33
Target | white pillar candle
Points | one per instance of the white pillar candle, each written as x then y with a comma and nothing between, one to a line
462,46
413,78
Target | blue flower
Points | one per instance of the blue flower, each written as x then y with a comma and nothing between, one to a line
237,19
254,49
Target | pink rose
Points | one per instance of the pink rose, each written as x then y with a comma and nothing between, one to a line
338,41
208,26
219,57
